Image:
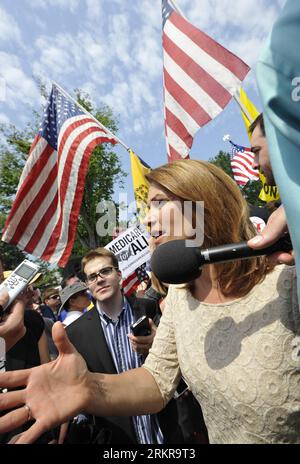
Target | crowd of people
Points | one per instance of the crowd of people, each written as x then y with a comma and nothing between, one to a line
219,362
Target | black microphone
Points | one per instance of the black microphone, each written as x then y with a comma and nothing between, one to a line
174,263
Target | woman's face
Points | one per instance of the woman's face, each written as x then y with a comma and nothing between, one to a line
168,218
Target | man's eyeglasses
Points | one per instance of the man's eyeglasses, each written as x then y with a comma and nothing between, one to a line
53,297
106,271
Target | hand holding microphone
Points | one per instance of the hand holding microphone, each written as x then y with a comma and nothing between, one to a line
275,228
175,263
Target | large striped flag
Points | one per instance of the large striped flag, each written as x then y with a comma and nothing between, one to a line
241,164
200,78
44,215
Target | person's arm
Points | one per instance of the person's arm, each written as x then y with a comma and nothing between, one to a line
12,327
43,348
57,391
276,227
131,393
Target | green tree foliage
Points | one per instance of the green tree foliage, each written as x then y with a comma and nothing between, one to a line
251,190
50,277
10,256
103,174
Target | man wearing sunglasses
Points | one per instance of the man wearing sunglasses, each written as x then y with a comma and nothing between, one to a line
51,303
102,336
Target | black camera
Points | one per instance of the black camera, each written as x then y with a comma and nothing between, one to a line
141,327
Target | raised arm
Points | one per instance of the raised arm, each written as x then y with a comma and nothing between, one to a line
12,327
57,391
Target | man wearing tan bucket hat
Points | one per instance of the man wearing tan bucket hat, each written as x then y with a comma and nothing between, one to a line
74,299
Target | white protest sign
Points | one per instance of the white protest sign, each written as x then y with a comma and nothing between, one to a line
131,249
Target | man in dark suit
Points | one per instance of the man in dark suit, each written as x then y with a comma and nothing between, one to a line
102,337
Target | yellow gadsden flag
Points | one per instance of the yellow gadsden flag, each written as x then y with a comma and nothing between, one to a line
268,193
140,184
252,111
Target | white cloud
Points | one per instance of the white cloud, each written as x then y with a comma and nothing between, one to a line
9,29
138,125
20,88
39,22
149,13
156,119
70,5
79,57
119,38
4,119
53,57
93,9
119,98
147,53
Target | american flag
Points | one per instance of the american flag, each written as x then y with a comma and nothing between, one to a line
131,283
241,164
44,215
200,78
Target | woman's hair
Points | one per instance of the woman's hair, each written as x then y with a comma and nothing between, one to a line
226,217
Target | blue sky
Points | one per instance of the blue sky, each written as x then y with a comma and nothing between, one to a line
112,49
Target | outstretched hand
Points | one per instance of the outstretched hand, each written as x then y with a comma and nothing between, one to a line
54,392
276,227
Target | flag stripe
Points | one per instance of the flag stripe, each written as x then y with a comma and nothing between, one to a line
70,143
174,108
29,188
179,129
215,50
195,91
43,221
73,150
186,101
241,165
174,155
130,284
247,156
195,63
34,201
240,171
238,161
72,203
177,143
38,146
200,78
61,254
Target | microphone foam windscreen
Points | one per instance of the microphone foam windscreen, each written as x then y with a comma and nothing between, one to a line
174,263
